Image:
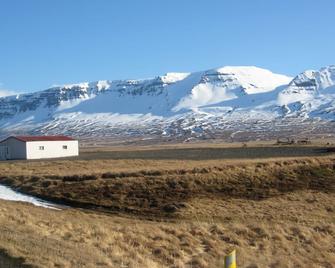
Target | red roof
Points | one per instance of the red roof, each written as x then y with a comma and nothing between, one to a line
43,138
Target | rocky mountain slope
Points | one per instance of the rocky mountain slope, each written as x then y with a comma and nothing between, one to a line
222,102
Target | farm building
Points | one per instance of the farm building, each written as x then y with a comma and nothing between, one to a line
38,147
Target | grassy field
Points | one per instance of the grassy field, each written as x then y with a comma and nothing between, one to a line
209,153
188,208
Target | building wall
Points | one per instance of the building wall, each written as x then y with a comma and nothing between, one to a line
51,149
16,148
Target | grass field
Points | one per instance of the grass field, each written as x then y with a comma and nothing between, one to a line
173,207
210,153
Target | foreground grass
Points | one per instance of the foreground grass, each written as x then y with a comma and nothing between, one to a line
144,213
294,230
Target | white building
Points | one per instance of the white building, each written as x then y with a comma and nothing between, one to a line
38,147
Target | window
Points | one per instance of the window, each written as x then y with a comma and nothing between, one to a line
65,147
41,148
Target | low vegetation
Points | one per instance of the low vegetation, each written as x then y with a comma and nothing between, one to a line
171,213
162,192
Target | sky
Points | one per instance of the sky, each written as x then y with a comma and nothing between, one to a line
48,42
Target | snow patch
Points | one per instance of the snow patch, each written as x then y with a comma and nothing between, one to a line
72,103
229,83
8,194
254,79
173,77
84,85
103,85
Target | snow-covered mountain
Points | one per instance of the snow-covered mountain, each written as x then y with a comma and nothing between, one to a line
308,85
177,104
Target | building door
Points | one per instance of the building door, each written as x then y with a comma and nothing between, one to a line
4,152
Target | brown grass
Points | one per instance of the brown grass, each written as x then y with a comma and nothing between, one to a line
162,192
294,230
276,213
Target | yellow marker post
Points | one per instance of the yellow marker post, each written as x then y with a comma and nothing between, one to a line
230,260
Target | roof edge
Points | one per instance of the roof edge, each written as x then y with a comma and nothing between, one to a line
40,138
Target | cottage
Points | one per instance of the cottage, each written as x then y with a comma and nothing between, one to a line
38,147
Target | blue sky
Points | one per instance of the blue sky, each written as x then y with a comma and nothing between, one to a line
48,42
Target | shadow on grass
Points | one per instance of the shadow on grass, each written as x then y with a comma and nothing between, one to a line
7,261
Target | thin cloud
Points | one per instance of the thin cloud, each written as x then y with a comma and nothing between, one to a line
6,92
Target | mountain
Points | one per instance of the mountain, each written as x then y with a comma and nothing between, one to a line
221,102
308,84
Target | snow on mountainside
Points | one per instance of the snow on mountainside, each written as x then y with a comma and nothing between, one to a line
200,103
310,94
163,95
230,83
307,85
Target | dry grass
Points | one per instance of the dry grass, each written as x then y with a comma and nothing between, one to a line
276,213
162,192
294,230
76,167
213,143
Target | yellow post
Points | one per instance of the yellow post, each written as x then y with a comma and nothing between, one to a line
230,260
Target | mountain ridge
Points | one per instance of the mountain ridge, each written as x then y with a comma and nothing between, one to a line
222,95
